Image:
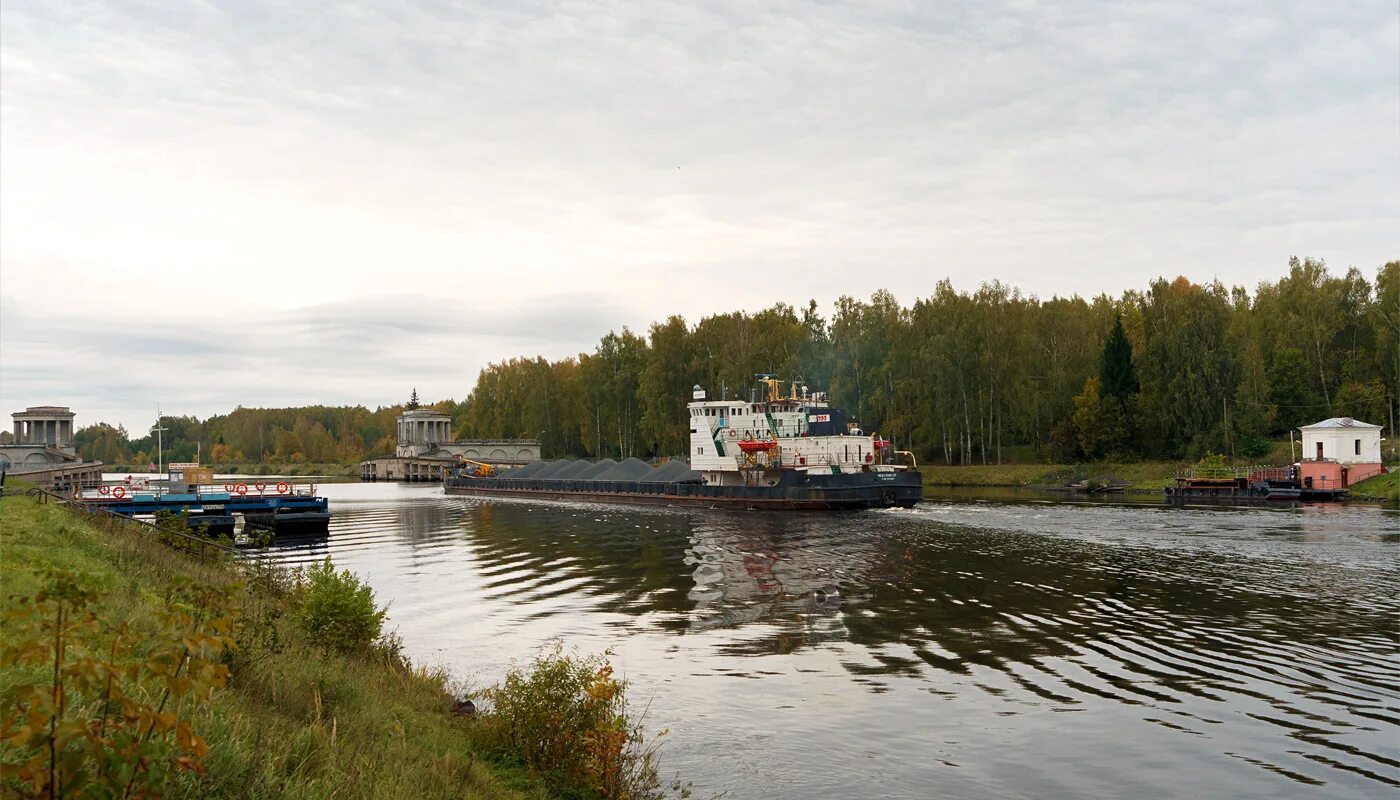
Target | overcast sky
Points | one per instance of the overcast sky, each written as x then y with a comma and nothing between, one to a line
206,205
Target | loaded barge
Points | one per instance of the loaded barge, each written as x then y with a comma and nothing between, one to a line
280,506
780,452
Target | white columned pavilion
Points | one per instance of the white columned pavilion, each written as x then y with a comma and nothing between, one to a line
422,431
46,426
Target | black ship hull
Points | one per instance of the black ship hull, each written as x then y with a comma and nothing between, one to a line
795,491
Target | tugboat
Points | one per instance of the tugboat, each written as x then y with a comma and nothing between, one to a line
777,451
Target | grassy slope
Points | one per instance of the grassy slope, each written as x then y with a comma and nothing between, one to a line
294,724
1383,488
1139,475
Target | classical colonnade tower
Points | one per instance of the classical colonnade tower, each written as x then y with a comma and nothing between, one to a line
45,426
421,430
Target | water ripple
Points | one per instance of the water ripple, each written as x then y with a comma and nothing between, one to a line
965,649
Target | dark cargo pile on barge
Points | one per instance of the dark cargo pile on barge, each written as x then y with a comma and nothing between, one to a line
675,483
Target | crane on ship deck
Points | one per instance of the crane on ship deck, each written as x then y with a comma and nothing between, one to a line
482,469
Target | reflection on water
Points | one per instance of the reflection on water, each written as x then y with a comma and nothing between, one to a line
958,649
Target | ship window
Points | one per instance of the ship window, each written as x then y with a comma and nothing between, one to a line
1358,447
699,451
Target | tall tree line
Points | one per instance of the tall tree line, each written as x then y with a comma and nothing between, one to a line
1177,370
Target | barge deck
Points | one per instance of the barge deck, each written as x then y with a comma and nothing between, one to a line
293,509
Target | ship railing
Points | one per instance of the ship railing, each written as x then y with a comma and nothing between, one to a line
1218,473
795,460
107,490
257,488
1258,472
1271,473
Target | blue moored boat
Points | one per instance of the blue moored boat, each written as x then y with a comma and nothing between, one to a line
281,507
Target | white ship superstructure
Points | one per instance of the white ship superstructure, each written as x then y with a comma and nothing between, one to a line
734,443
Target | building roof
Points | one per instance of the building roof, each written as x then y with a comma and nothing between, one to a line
1339,422
44,411
424,412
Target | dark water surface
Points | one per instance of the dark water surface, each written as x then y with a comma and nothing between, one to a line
961,649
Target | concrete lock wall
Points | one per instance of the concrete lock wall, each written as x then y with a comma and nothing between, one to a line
28,455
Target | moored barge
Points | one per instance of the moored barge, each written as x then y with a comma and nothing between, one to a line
278,505
1255,485
779,452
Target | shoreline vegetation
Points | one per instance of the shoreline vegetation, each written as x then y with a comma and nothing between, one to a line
1142,477
183,677
1170,372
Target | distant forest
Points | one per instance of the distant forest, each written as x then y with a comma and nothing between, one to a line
1178,370
306,435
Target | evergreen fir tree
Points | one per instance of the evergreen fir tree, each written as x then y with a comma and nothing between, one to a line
1117,378
413,400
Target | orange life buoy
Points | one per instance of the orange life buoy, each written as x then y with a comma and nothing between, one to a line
119,492
104,489
733,433
282,488
241,488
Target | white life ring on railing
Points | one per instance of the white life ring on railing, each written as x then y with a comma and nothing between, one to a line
733,434
282,488
119,492
261,485
104,489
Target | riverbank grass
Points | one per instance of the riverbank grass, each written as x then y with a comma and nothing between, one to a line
1139,475
294,720
1382,488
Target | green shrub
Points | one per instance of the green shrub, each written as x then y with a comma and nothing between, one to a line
336,609
1213,466
107,710
566,717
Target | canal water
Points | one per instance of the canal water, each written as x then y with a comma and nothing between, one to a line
961,649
